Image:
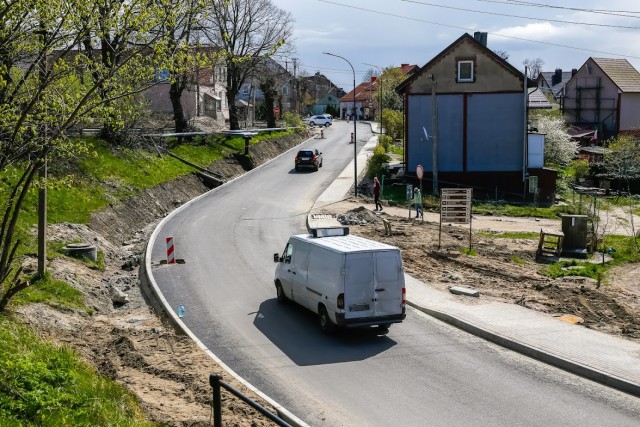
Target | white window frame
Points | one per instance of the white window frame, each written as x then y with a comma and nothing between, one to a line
465,79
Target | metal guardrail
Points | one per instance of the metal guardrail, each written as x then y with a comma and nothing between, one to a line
217,385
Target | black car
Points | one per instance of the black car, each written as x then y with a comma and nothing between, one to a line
308,157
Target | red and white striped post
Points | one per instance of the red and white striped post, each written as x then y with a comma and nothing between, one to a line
171,258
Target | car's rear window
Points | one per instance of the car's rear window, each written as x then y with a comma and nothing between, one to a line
307,153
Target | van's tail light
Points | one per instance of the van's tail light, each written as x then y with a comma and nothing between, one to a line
404,297
340,302
314,158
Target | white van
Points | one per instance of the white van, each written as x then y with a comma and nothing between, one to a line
347,280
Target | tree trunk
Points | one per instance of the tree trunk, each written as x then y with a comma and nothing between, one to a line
234,122
175,95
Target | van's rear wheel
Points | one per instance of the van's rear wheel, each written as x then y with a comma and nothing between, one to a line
326,325
282,298
383,329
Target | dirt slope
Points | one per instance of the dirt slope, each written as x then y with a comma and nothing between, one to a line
130,343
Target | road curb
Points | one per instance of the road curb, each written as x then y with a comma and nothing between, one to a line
533,352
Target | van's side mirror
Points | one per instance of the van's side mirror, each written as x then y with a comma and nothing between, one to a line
276,258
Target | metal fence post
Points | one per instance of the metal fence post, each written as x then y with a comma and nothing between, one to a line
214,381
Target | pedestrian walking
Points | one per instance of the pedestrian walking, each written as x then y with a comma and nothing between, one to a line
417,201
376,193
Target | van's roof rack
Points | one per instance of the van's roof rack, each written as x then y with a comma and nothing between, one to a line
329,231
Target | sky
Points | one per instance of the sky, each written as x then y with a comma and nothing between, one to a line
564,34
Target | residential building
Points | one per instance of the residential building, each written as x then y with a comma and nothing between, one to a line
359,107
465,124
552,83
603,96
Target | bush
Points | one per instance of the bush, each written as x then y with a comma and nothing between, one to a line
375,163
385,141
392,121
577,169
294,121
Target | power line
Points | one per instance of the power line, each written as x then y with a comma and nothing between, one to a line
484,12
472,30
577,9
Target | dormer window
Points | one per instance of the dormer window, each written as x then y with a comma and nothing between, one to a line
465,71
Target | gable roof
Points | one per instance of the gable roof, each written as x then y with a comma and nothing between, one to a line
621,73
537,100
480,46
548,77
363,92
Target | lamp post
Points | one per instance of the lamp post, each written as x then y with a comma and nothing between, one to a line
380,70
355,118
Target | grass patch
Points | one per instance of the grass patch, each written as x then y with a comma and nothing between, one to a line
43,384
503,209
396,149
528,235
467,251
620,248
517,260
52,292
573,268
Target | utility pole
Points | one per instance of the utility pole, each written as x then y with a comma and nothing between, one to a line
296,107
434,136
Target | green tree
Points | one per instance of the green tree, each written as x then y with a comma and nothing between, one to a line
387,82
246,31
48,87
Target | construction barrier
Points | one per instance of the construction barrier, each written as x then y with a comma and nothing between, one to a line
171,259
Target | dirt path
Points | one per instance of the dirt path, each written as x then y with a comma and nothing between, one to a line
504,269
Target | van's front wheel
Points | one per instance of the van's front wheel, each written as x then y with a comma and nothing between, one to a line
326,325
282,298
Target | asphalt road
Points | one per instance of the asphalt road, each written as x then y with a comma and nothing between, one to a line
422,373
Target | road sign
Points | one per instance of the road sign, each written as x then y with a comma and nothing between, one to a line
455,205
420,171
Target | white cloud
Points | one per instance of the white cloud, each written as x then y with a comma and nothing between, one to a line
541,31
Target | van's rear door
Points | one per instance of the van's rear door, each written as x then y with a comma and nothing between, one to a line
359,285
389,281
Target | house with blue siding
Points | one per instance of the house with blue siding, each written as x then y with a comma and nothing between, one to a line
479,103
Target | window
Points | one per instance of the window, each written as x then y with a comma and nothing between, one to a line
465,71
245,90
288,251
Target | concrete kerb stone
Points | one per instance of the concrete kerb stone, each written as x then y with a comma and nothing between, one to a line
533,352
158,301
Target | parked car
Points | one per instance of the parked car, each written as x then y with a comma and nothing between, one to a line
320,120
308,157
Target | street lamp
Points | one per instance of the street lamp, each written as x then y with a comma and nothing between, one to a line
355,118
380,70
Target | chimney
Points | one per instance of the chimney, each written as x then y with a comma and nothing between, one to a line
404,65
557,77
480,37
373,79
574,72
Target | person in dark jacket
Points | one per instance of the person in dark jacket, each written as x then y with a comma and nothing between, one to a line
376,193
